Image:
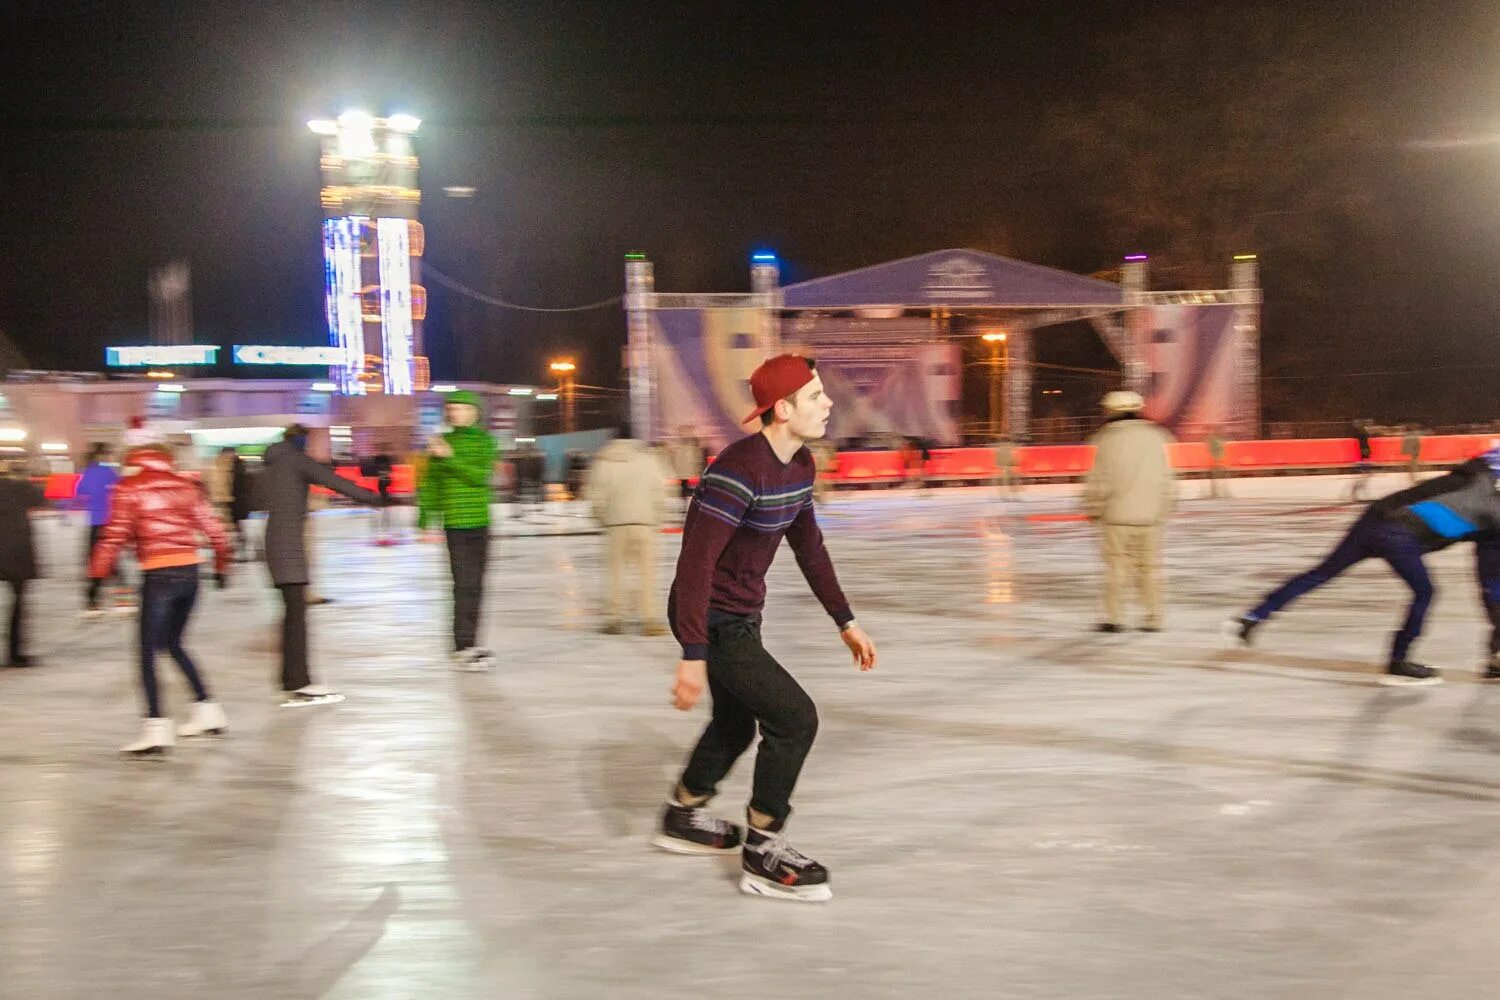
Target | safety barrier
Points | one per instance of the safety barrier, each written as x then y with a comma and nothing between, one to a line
1060,461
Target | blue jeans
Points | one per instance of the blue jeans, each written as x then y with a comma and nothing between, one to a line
167,598
1371,537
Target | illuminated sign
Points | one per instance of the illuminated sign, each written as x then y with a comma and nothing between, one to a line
161,354
341,297
263,354
397,334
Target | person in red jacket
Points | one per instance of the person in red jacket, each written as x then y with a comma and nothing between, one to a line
164,514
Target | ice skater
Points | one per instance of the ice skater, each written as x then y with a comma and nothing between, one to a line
458,490
95,487
289,473
1462,505
164,514
19,497
758,490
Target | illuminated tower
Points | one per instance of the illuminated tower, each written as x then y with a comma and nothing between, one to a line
372,250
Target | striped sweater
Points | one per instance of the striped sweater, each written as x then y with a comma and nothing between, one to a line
746,501
456,491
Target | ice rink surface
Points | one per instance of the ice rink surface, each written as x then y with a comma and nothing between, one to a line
1011,806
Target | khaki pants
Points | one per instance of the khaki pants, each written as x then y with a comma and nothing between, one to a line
632,553
1132,554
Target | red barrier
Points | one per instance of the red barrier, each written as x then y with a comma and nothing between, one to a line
868,466
1056,459
1044,461
61,486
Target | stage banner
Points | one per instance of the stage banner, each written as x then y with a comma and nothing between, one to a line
1190,353
911,390
702,360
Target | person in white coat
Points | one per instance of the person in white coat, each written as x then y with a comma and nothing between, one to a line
1129,492
628,486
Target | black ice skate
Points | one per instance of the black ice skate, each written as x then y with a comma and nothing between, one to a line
695,830
1492,668
1242,629
1109,627
1407,674
771,867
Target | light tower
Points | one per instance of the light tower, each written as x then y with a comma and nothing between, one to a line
372,249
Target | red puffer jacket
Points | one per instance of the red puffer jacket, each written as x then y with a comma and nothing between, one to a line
164,513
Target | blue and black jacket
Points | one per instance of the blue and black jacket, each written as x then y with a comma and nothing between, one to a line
1461,506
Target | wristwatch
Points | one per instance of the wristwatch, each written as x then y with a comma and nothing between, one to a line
851,623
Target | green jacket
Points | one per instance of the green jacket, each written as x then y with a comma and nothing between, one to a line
456,491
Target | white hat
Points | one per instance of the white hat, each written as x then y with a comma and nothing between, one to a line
1123,401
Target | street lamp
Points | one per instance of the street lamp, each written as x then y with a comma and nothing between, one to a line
999,343
564,368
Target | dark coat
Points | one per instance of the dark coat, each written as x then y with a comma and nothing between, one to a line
284,483
17,551
240,504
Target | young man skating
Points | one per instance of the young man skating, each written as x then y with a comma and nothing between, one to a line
758,490
457,490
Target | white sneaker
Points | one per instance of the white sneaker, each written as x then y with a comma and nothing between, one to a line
156,740
313,694
207,720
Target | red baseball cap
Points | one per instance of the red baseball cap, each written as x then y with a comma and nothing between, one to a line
777,378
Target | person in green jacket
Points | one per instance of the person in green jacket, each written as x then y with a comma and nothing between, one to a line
456,490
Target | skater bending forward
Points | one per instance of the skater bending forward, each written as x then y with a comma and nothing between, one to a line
1463,505
758,490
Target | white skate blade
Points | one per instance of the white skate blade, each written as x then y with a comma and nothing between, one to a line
673,845
1395,680
754,885
322,699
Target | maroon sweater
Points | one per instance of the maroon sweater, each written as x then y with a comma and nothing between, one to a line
745,503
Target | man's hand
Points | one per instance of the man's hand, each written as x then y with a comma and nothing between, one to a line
860,645
438,447
692,678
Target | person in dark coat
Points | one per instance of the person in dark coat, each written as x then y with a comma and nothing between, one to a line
289,471
18,498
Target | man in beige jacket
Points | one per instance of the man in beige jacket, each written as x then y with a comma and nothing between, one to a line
1129,492
628,486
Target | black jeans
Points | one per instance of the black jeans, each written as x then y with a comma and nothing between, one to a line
294,675
17,622
167,598
749,687
468,554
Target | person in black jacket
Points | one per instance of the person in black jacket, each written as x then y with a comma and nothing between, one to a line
1462,506
290,471
18,498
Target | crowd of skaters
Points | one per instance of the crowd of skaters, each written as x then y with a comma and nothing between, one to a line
758,491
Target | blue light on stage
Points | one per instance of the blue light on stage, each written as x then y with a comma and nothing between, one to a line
763,257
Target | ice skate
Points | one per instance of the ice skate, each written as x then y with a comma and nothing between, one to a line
694,830
1407,674
208,719
156,740
1241,630
474,660
312,694
772,867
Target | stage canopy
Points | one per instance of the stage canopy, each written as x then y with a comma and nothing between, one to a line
955,279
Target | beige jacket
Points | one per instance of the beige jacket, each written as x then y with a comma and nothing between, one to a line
1131,481
627,484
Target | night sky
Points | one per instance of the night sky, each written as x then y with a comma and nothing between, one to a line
839,135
